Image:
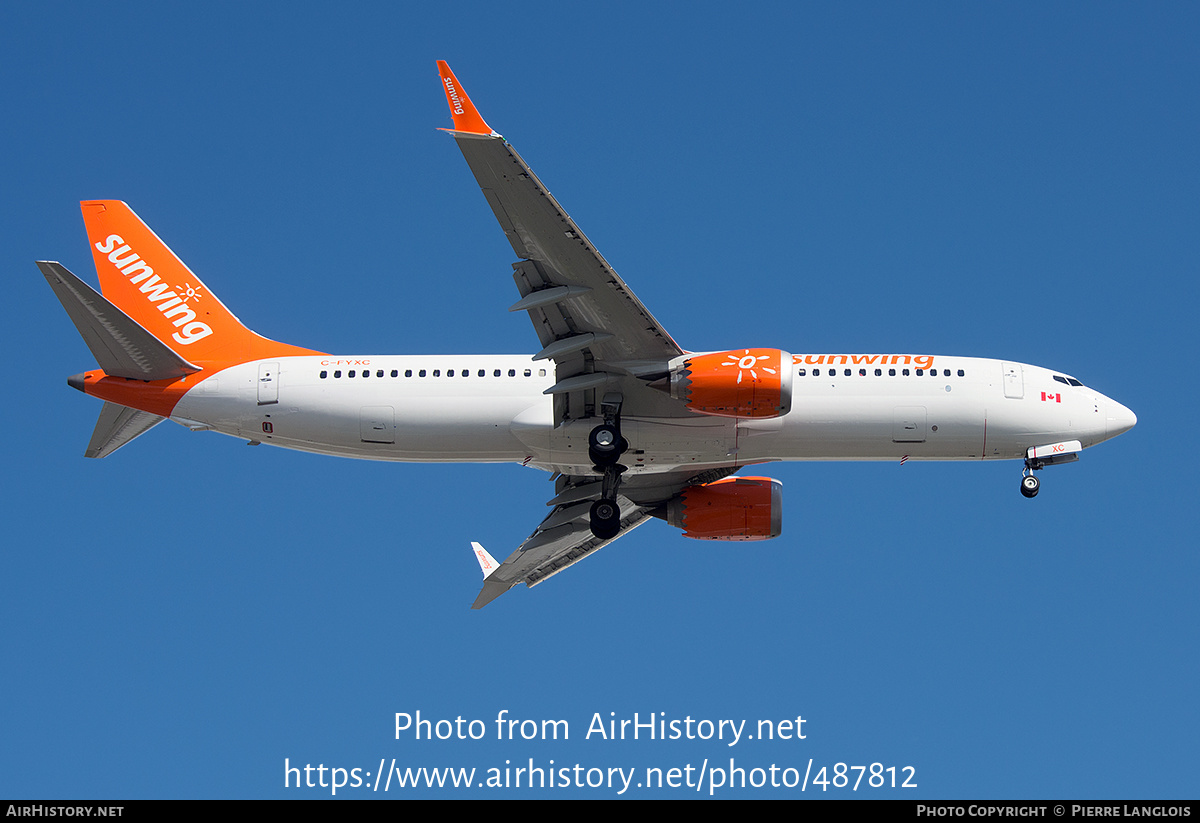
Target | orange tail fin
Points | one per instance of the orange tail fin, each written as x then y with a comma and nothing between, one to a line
144,278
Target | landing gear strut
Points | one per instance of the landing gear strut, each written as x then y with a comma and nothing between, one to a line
605,447
1030,485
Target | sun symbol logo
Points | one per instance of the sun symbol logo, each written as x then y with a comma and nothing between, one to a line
190,291
748,362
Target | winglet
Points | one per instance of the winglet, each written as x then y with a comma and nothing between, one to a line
491,588
466,117
486,562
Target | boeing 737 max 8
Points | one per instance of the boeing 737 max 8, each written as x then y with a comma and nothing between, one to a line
632,425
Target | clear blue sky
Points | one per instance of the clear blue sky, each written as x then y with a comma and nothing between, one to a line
997,181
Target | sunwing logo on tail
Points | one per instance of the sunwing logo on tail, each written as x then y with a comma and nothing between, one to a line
157,292
453,92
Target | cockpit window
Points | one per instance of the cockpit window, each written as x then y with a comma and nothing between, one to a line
1070,381
1061,379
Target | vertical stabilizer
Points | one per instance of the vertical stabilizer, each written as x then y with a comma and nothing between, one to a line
142,276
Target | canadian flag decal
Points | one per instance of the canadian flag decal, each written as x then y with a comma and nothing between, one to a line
1057,398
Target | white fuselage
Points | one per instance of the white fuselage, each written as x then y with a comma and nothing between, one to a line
492,408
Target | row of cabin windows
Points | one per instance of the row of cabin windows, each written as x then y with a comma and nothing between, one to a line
879,372
436,373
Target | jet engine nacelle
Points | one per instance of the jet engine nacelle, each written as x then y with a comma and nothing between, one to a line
737,383
736,508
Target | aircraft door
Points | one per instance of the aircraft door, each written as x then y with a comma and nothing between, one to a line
377,424
268,383
908,424
1014,381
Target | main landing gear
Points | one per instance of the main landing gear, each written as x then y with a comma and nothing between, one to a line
605,518
605,447
1030,485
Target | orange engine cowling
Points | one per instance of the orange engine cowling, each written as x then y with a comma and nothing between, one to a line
737,383
736,508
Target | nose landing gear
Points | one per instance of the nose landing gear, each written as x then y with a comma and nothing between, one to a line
1030,485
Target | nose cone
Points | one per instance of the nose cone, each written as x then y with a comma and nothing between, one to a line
1120,419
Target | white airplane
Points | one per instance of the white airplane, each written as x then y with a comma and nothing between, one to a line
631,425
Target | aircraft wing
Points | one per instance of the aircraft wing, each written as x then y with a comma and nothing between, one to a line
565,537
561,540
589,322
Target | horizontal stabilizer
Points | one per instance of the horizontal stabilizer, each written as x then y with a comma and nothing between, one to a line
121,346
117,426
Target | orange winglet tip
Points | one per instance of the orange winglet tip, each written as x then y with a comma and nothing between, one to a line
466,117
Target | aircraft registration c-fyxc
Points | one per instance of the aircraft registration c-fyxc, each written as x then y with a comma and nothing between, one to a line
632,425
